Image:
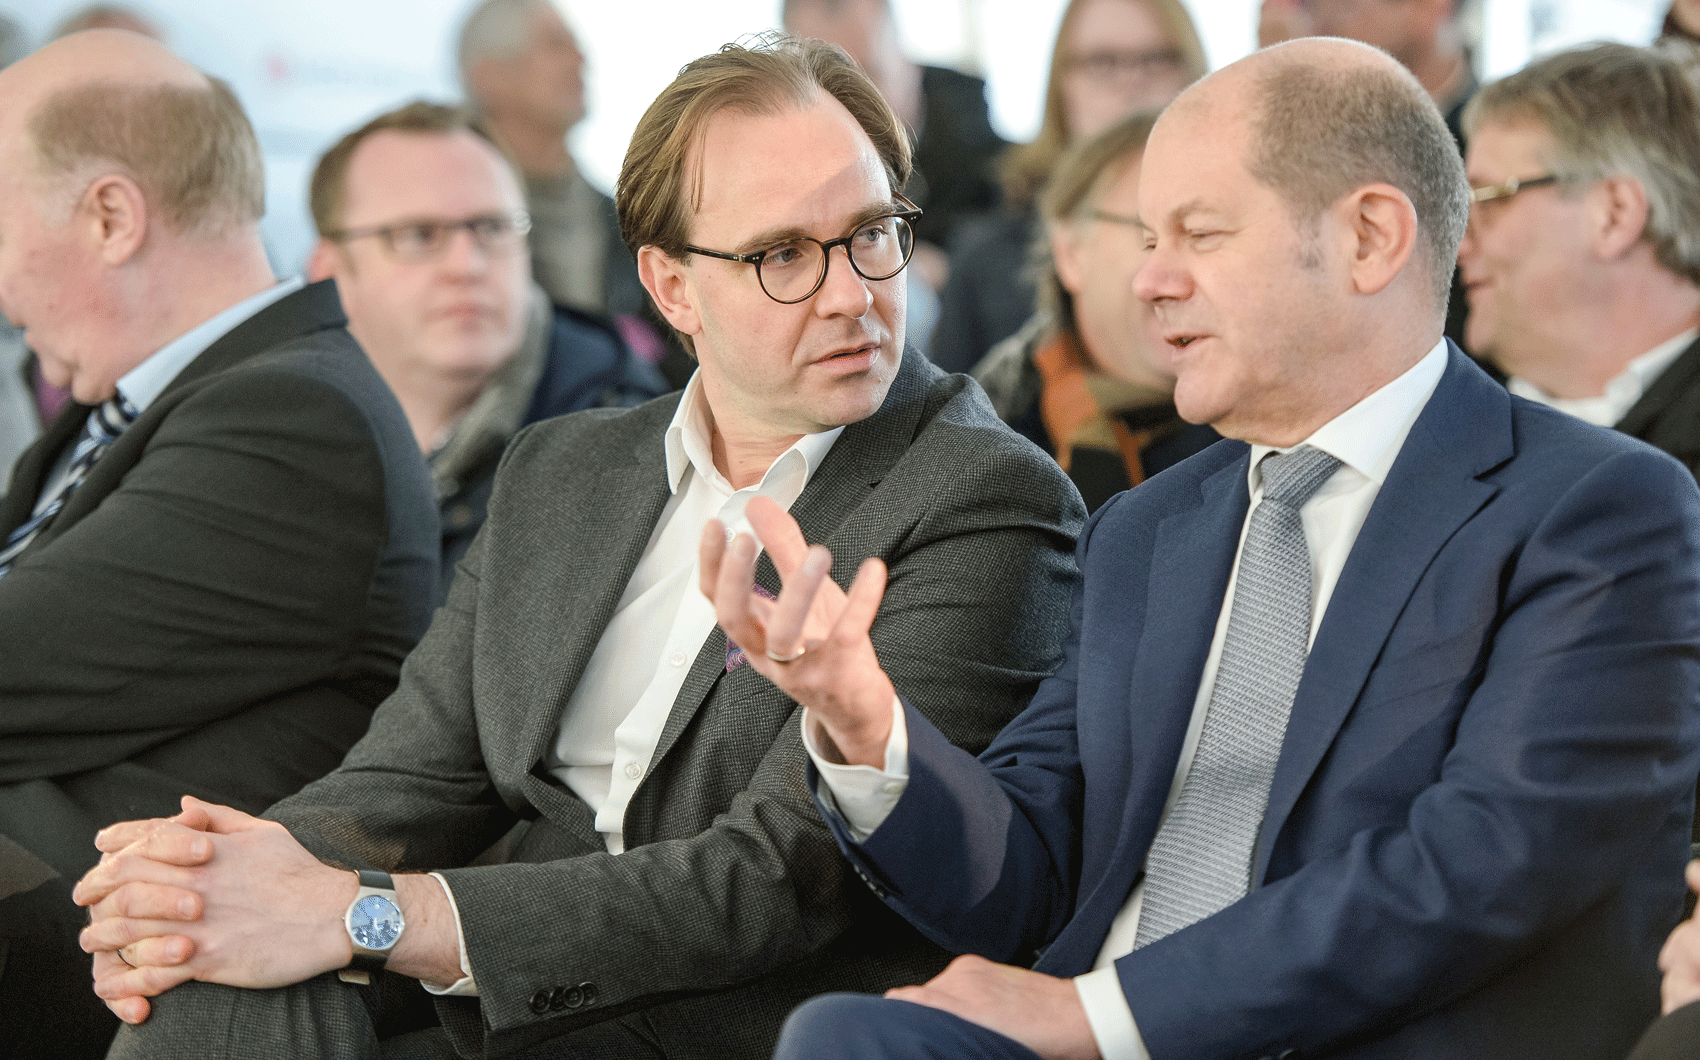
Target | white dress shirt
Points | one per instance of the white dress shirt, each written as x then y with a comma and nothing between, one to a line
1366,438
1621,394
615,715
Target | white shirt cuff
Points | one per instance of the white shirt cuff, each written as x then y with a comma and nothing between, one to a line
465,986
1111,1019
862,795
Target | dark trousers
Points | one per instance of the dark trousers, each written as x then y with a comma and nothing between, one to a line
861,1027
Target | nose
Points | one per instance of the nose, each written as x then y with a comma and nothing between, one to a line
1160,278
844,292
463,256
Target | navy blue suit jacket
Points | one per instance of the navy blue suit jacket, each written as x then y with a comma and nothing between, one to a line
1478,822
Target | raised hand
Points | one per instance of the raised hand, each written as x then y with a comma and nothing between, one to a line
813,640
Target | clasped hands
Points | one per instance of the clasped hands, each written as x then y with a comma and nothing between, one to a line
212,894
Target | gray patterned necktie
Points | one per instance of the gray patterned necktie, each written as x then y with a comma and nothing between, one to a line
1200,861
105,423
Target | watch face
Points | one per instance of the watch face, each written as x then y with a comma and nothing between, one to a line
375,922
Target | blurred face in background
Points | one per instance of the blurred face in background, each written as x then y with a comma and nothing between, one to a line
1117,59
458,311
1097,255
543,83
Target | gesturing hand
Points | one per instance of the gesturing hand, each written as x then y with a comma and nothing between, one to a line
813,640
211,894
1040,1011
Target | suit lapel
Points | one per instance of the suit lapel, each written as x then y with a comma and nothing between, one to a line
1676,380
620,501
314,308
1183,596
1432,489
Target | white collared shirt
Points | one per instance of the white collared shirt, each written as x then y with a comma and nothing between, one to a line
1366,439
615,715
142,385
1621,394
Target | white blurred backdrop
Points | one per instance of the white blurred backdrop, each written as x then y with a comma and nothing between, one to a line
308,70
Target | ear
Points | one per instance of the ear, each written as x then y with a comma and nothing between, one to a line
1618,213
1380,228
1065,254
115,216
485,81
664,277
324,261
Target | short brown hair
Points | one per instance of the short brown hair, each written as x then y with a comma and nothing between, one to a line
190,149
1319,134
328,191
1076,186
767,76
1027,166
1616,110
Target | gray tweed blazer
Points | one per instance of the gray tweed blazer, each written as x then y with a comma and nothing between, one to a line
731,902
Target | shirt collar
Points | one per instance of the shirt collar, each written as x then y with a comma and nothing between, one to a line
688,444
1367,437
143,384
1621,394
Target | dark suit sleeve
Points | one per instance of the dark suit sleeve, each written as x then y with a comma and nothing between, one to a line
1572,761
226,569
971,622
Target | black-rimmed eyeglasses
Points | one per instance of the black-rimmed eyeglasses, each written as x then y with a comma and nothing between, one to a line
420,240
792,271
1507,188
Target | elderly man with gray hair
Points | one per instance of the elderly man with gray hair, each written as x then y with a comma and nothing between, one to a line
1582,259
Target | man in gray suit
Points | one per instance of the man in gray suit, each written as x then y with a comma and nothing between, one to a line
664,887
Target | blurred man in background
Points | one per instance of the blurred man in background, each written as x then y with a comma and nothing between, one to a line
422,224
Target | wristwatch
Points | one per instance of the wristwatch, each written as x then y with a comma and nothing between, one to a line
374,924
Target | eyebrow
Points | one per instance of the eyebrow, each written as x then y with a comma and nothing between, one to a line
775,236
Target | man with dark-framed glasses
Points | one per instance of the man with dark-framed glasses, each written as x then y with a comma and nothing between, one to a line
421,223
663,885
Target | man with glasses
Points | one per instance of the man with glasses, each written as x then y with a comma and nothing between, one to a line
663,886
1582,259
421,223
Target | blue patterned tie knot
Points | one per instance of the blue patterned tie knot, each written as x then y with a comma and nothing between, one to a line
1290,478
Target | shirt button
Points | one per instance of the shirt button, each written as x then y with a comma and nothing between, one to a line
633,771
730,534
678,658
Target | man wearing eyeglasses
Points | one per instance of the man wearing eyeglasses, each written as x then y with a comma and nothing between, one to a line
421,223
665,887
1582,262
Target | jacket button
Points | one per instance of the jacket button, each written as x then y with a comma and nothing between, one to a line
589,992
574,997
540,1002
1288,1054
558,999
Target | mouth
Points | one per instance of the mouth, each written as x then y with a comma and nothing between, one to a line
1181,342
859,356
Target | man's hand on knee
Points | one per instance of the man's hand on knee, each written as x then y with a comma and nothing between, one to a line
215,895
1040,1011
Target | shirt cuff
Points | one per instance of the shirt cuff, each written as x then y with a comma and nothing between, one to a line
862,795
465,986
1111,1018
